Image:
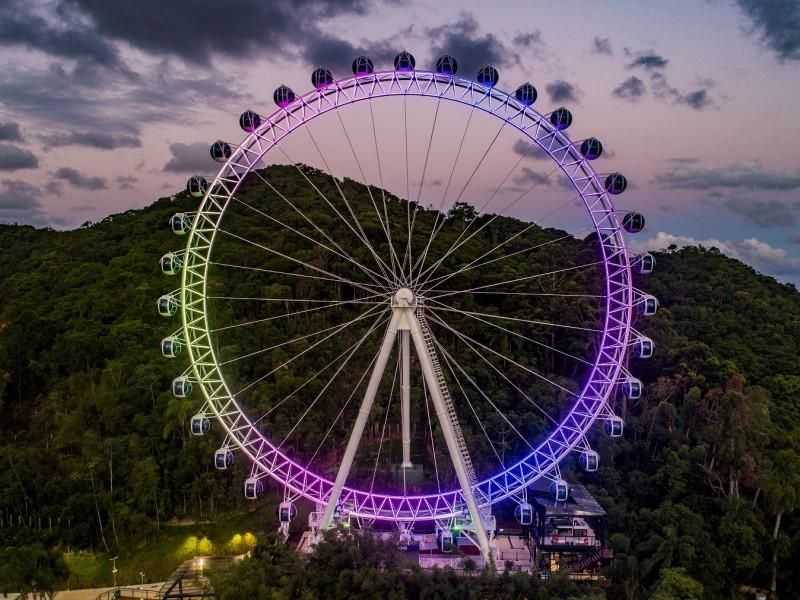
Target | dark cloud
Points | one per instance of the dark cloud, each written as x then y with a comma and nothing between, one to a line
795,238
10,132
649,61
19,203
631,89
53,187
741,175
472,50
562,91
113,103
66,35
601,45
697,99
52,95
92,139
189,158
777,22
333,52
79,180
530,40
683,160
764,213
198,30
13,157
17,195
524,148
126,182
528,177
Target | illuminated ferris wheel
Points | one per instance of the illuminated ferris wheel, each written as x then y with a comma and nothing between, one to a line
369,326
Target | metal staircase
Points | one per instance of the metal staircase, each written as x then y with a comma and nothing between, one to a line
448,401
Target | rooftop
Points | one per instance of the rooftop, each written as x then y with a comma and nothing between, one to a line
580,502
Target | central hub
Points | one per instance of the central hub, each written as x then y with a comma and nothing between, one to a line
404,297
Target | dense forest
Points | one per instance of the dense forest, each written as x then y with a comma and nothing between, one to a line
97,455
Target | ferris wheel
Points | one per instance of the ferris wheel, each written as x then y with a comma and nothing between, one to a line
373,342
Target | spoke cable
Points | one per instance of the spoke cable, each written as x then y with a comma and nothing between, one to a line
332,304
383,429
327,385
370,272
485,396
381,264
317,373
465,337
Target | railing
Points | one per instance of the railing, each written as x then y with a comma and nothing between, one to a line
445,392
129,593
577,541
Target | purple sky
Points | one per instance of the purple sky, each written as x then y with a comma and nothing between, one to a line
106,106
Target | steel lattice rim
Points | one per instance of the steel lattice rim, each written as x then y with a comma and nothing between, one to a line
594,398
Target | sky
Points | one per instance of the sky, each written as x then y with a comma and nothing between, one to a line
106,106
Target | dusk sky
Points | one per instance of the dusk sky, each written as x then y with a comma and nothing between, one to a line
106,106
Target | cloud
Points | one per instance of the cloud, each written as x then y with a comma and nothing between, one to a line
13,157
66,36
683,160
696,99
101,140
472,50
524,148
650,61
10,132
530,40
189,158
250,26
602,45
327,49
740,175
527,177
111,102
562,91
771,260
53,187
126,182
19,203
795,238
631,89
79,180
764,213
655,64
777,23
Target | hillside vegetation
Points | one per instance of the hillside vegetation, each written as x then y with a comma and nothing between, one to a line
96,453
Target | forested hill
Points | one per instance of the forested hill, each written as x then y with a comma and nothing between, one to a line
707,477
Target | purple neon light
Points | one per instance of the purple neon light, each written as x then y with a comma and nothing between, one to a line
543,460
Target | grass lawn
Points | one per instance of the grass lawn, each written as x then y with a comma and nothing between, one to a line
158,556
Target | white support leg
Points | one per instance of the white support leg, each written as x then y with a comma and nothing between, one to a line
363,415
449,436
405,398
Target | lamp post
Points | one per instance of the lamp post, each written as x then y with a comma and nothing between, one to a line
114,569
141,580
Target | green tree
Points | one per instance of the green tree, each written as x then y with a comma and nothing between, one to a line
675,584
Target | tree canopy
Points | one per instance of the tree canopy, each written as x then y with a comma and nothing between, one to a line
702,490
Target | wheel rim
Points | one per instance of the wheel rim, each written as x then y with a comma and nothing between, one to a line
595,394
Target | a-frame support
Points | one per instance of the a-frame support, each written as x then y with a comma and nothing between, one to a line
404,319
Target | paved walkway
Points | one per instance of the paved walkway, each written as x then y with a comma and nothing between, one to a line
86,594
